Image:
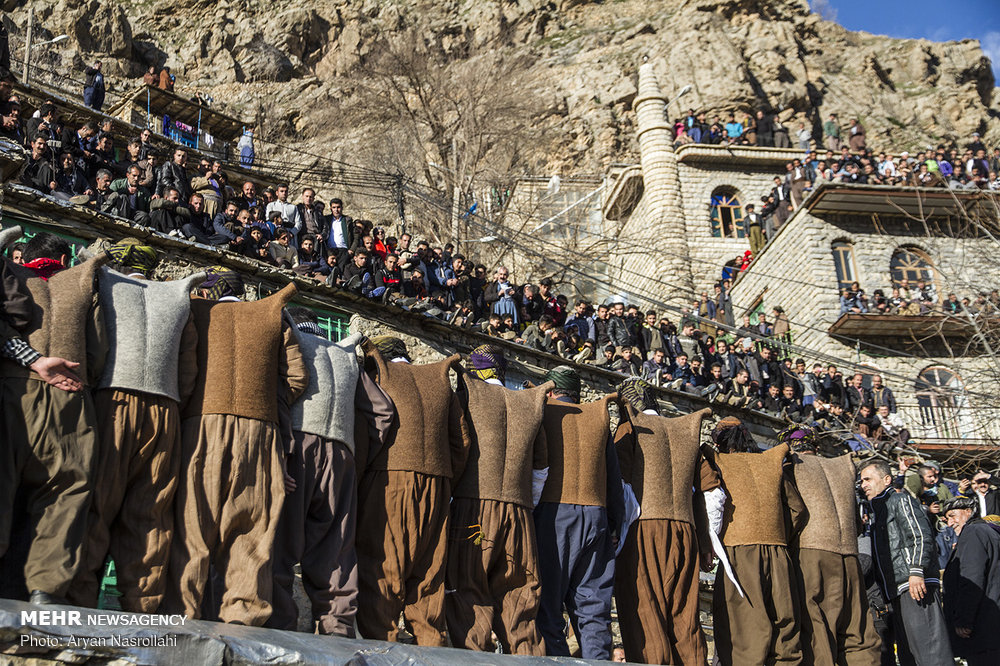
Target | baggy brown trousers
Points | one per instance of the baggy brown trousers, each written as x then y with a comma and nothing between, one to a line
762,628
132,505
47,453
317,529
492,577
838,627
228,503
656,588
402,528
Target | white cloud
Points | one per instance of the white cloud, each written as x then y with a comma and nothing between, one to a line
824,9
991,47
940,34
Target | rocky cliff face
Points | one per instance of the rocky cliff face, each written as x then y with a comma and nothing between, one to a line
303,68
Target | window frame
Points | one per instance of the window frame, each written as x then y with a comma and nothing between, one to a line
843,258
725,201
942,406
931,272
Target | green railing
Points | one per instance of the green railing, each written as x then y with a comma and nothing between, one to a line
335,326
75,244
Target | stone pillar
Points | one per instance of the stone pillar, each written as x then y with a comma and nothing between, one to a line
657,224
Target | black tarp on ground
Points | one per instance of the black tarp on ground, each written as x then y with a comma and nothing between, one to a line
199,643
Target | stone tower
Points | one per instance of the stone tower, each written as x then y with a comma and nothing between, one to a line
654,247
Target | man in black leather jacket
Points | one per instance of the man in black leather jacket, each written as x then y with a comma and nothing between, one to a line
174,175
905,561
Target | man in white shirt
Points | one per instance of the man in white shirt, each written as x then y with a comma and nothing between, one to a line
288,211
887,169
979,489
893,428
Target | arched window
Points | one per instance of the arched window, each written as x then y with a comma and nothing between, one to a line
942,403
843,263
727,214
911,264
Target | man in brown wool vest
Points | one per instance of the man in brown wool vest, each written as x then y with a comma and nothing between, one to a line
656,575
151,366
403,498
492,556
232,482
49,434
757,623
16,313
579,520
838,627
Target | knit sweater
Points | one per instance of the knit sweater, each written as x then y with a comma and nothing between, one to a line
754,509
239,352
508,441
827,488
431,434
577,437
61,318
144,321
663,463
327,407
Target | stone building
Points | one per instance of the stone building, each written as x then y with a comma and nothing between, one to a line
674,221
675,217
669,223
943,369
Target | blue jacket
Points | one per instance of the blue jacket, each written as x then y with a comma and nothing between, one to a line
219,224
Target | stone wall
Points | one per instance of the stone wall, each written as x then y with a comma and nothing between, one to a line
669,253
655,243
698,183
796,271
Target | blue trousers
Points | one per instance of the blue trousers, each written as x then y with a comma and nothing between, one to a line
577,570
93,98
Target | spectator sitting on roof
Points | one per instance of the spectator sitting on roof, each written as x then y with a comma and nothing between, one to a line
167,80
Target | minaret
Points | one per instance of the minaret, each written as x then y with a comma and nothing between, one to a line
657,223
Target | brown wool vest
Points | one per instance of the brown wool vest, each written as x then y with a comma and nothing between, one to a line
419,441
59,315
506,445
665,463
754,513
577,437
239,351
827,489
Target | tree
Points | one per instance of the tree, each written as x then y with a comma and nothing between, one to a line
964,340
460,119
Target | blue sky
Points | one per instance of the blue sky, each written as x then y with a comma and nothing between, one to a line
927,19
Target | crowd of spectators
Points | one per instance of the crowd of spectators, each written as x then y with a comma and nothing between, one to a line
847,157
918,299
697,353
704,352
974,169
924,479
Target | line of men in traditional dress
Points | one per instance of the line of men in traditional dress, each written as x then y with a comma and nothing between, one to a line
208,445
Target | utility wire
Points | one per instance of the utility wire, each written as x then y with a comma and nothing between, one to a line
692,292
804,351
361,182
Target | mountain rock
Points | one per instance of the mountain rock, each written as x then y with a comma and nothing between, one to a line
578,62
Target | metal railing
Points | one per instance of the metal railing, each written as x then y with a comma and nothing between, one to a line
948,422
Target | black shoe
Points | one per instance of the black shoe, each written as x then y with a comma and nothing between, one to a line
40,598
